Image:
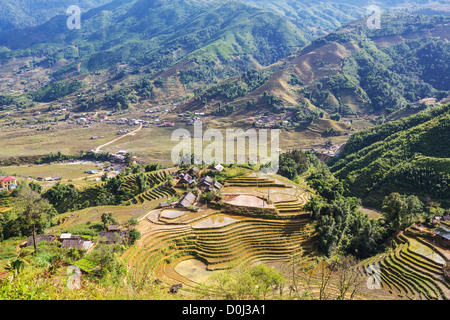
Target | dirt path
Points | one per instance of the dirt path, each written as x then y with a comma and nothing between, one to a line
128,134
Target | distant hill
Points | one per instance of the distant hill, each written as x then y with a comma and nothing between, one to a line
357,70
227,36
411,155
25,13
246,56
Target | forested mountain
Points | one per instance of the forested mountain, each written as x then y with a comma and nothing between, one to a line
411,155
197,44
359,70
156,34
25,13
318,17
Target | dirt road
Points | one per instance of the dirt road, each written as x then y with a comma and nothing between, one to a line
128,134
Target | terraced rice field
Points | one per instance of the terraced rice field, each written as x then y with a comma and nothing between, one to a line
158,193
413,269
93,214
220,241
172,214
288,199
175,245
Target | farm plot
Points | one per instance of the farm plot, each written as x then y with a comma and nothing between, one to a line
410,270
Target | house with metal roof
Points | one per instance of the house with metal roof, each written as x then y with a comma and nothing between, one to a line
187,200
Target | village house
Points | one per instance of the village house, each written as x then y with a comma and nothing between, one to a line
117,158
186,178
39,238
80,244
218,168
205,181
113,228
209,184
111,237
68,236
187,200
8,182
123,131
194,171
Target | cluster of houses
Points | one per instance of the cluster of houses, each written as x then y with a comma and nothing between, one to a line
57,178
119,157
7,183
70,241
272,120
205,184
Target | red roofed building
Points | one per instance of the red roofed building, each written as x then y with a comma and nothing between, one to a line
5,182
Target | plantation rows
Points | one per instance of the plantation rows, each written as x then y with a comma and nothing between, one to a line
408,273
155,177
293,207
288,207
251,181
241,242
158,192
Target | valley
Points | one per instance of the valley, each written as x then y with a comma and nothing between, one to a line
357,207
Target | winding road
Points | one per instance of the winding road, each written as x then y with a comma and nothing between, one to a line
128,134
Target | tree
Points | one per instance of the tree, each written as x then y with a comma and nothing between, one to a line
35,186
244,283
107,219
34,212
400,210
142,182
134,235
335,117
108,258
266,279
349,281
133,222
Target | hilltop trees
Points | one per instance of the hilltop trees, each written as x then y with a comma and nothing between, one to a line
56,90
144,87
342,227
293,164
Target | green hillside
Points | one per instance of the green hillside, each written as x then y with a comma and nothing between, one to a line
411,155
25,13
158,34
358,70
